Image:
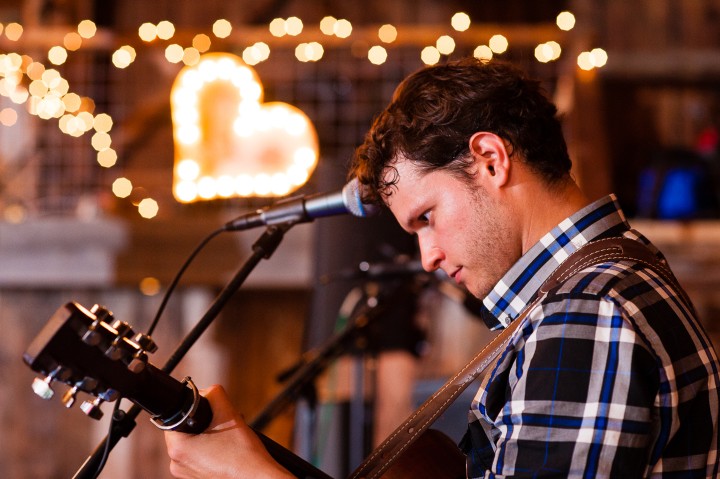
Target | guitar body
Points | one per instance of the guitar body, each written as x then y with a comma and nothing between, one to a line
433,455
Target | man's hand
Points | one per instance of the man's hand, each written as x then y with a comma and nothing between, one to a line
227,449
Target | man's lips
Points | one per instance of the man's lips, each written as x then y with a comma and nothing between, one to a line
456,275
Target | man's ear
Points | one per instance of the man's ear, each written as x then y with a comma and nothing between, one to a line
491,158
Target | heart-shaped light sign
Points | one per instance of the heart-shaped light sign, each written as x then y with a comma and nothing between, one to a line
229,143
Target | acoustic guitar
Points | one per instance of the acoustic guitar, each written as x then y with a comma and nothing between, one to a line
92,353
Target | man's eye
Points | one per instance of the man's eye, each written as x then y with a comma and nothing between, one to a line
424,218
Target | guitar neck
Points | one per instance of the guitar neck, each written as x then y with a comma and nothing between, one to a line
293,463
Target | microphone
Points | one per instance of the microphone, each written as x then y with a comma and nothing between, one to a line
303,209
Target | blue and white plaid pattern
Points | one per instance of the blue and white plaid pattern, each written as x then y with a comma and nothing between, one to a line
610,375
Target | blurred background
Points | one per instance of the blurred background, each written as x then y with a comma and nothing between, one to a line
100,203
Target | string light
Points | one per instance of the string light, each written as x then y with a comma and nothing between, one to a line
460,21
387,33
147,32
565,21
47,94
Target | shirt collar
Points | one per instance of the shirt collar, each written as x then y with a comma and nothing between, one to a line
518,287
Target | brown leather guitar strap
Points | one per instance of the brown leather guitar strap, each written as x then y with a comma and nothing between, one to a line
595,252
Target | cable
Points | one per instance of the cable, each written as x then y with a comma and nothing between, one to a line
178,275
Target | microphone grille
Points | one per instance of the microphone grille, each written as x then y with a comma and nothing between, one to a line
352,198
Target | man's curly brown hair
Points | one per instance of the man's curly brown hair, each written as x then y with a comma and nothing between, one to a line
436,110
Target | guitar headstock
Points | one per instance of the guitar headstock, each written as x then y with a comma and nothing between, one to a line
89,351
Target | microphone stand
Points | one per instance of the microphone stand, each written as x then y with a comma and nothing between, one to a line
314,363
124,422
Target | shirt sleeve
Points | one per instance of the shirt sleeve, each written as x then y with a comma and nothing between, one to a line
574,395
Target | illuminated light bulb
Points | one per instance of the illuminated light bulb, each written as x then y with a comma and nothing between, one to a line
147,32
121,58
191,56
35,70
277,27
201,42
314,51
19,95
15,61
584,61
498,43
280,184
460,21
555,49
149,286
187,169
565,21
61,88
107,158
13,31
263,184
342,28
86,120
87,29
8,116
387,33
430,55
305,158
50,107
188,134
65,123
293,26
101,141
483,52
185,191
72,41
251,55
598,57
298,176
327,25
72,102
57,55
51,78
102,123
244,185
542,54
445,44
207,187
148,208
38,88
222,28
225,186
174,53
122,187
301,52
377,55
87,104
165,30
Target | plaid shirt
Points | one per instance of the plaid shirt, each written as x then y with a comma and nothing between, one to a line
610,375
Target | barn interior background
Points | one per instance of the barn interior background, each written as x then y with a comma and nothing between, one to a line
87,211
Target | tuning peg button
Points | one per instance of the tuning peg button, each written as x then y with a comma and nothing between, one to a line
68,399
92,409
42,387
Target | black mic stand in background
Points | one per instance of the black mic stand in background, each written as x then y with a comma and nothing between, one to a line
124,422
300,378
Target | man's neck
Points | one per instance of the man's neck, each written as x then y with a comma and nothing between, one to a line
544,208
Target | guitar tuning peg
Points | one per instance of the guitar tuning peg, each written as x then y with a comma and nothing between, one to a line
92,408
145,342
101,313
69,397
42,387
